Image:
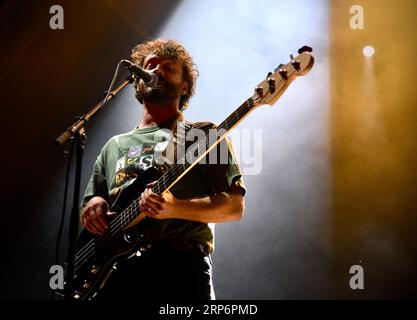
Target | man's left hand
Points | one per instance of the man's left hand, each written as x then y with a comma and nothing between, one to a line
156,206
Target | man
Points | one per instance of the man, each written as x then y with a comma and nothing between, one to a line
178,262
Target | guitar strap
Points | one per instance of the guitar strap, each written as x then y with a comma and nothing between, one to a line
202,168
180,131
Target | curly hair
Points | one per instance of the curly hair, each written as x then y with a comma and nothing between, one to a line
171,49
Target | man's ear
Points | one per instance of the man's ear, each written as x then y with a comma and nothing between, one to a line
185,88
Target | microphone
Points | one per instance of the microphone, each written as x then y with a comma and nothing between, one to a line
150,78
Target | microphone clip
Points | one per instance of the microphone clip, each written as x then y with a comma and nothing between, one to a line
149,78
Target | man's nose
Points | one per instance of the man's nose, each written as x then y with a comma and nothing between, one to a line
158,71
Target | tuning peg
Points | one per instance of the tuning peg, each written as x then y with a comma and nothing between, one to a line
295,63
283,73
260,91
271,83
278,67
305,49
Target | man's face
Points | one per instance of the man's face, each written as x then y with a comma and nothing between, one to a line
171,85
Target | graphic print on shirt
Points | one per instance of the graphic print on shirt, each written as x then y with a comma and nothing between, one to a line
133,162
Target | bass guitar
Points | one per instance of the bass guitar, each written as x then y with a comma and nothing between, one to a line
98,255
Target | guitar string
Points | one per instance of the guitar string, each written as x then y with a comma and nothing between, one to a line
84,253
129,211
89,248
95,243
98,241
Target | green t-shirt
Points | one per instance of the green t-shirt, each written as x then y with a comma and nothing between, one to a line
124,157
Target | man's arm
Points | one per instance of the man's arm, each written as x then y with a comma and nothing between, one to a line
222,207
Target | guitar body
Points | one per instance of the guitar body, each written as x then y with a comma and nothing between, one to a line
97,257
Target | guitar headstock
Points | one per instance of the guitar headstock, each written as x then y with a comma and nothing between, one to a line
269,90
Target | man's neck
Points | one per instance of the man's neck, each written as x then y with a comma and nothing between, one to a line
158,115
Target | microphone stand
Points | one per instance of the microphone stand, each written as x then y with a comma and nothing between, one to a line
76,135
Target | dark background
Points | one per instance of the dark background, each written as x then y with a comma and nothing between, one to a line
48,77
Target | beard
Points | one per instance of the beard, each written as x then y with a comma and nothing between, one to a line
163,93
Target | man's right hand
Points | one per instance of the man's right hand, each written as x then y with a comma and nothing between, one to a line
95,215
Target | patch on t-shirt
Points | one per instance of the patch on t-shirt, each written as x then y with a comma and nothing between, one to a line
134,161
